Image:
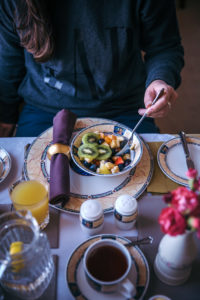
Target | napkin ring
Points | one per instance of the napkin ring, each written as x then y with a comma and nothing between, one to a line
58,148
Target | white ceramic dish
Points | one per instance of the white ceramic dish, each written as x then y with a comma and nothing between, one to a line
111,128
5,164
79,286
171,158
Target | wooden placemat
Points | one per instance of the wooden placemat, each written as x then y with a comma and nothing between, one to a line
53,228
5,208
51,291
160,183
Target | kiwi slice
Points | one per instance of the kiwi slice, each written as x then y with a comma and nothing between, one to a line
88,151
90,138
104,152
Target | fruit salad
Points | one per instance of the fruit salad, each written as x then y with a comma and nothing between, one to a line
98,150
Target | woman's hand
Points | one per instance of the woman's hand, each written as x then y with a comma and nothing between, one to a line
6,129
163,105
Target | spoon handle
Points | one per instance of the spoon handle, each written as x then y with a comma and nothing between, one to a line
145,114
130,139
145,241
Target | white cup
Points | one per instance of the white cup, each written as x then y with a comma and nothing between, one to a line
107,264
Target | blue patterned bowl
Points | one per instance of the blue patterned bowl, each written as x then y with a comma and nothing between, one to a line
108,128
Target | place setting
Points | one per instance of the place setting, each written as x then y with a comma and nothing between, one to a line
172,159
84,183
89,274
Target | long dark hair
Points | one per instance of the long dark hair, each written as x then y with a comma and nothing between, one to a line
34,25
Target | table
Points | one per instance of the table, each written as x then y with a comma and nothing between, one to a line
71,236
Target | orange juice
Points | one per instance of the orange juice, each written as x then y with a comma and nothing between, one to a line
32,195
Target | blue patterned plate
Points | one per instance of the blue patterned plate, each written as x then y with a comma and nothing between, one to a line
81,290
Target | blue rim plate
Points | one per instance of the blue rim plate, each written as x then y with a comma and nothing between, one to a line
77,282
171,158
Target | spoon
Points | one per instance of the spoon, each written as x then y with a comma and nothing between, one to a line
130,139
145,241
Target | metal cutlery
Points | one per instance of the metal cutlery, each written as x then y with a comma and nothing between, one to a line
130,139
189,161
2,167
145,241
26,148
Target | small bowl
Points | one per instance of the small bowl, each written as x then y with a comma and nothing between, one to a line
109,128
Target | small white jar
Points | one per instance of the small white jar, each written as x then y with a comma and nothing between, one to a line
91,217
125,212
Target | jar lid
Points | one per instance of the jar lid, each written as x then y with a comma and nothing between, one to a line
126,204
91,210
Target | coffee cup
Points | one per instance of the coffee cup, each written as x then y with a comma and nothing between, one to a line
107,264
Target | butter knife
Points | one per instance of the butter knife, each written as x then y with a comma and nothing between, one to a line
189,161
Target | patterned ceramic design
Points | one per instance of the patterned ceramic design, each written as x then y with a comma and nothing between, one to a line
172,161
5,164
111,128
77,282
106,190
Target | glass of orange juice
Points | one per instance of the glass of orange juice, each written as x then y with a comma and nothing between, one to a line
31,195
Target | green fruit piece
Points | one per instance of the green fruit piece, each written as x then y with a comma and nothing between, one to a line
104,152
104,170
90,138
88,151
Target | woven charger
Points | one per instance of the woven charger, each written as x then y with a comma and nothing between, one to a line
133,183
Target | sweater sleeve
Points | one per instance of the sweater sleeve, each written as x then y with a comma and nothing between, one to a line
12,69
161,42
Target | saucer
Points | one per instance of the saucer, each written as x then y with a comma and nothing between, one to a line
77,282
172,161
5,164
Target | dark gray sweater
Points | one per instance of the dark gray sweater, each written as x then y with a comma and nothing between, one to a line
98,69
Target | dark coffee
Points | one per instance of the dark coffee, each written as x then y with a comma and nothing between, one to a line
107,263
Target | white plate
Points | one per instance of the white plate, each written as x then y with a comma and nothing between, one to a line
79,286
5,164
106,190
172,161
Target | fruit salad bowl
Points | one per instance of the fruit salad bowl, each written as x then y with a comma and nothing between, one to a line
94,149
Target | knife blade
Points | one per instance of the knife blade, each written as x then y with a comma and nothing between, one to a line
189,161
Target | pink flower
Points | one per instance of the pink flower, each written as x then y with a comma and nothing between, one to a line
183,211
194,222
191,173
184,200
172,222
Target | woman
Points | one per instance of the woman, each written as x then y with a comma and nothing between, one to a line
85,56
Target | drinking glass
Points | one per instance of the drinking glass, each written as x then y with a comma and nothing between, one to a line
31,195
25,271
